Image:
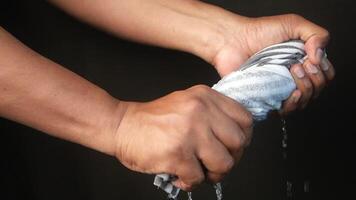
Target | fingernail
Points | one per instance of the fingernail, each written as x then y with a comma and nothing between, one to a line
319,54
296,97
312,69
324,65
299,72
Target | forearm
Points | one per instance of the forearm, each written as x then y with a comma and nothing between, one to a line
186,25
41,94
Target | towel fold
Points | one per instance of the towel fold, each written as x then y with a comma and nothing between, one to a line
264,81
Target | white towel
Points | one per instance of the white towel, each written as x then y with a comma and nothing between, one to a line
260,85
264,81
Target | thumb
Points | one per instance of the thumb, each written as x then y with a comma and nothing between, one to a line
314,36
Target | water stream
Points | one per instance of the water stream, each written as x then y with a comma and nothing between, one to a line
289,183
218,192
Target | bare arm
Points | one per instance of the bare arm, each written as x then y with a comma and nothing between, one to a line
153,137
222,38
40,93
184,25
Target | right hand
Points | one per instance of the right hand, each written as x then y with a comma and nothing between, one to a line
193,133
242,37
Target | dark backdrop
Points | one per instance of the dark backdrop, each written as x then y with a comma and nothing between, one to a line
321,138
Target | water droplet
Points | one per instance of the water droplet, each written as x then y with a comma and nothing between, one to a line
306,186
284,135
190,196
289,189
289,184
218,191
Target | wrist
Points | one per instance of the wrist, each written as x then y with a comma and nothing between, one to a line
222,30
100,134
117,111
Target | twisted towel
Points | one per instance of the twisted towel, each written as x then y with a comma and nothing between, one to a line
260,85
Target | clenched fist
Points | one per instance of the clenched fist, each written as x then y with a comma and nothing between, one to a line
194,134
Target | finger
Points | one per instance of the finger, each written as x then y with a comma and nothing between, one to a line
291,103
316,76
315,37
227,131
227,105
303,84
238,155
190,174
328,69
234,110
214,156
314,48
215,177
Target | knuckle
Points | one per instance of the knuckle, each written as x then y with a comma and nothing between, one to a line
196,179
247,120
239,143
325,34
195,105
294,18
226,166
201,89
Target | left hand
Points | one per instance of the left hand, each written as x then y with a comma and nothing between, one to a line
254,34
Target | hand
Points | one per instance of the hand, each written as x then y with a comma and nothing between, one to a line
253,34
310,80
186,133
218,36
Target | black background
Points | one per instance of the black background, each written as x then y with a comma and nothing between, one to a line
321,138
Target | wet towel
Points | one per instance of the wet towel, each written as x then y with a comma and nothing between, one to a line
260,85
264,81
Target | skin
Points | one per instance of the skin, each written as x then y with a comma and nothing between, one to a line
195,134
